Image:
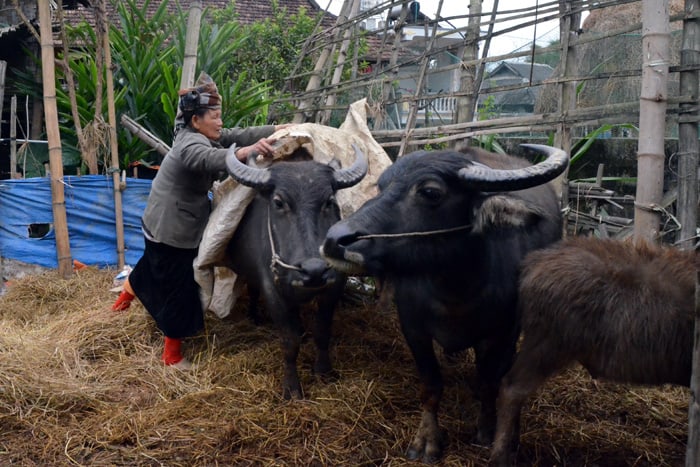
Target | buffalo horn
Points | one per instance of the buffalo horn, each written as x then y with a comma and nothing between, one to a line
483,178
248,175
345,178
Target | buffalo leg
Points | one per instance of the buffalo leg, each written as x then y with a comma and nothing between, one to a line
533,365
291,342
323,328
288,322
253,305
385,291
428,443
493,359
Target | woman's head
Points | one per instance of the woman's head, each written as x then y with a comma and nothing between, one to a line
208,122
199,107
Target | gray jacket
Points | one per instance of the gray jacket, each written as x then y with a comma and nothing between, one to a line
178,205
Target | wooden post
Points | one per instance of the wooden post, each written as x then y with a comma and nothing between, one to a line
688,147
189,63
60,221
692,453
656,52
113,146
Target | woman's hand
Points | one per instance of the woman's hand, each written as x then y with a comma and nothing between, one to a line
262,148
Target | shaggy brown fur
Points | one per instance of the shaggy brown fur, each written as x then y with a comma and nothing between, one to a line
624,312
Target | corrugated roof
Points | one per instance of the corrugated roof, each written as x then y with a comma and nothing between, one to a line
540,71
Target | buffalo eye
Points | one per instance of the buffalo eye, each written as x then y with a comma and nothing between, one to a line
278,202
431,192
330,203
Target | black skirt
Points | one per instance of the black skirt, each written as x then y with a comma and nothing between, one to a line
163,280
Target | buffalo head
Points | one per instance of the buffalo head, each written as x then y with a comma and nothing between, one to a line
294,208
428,199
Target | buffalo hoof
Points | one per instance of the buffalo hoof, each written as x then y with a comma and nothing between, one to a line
484,436
329,376
322,365
292,393
502,459
426,450
255,317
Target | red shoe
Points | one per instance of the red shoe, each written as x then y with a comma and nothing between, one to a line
123,301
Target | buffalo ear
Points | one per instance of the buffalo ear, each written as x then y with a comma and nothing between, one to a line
335,164
498,212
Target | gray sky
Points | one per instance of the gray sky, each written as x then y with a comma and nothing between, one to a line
504,44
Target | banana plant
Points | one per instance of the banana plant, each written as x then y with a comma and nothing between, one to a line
147,51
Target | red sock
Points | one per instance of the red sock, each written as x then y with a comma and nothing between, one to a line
123,301
171,351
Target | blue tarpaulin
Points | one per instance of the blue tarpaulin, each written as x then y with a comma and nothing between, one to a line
26,220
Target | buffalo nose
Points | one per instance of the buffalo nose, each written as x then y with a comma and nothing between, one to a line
313,270
338,236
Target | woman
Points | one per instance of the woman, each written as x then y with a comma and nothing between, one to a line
177,211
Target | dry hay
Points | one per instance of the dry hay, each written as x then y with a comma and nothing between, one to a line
617,54
81,385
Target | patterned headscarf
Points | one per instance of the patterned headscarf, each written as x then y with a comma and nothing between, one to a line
204,95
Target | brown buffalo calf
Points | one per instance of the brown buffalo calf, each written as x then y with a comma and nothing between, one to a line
624,312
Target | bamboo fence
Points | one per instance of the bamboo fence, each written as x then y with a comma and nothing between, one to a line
388,64
587,90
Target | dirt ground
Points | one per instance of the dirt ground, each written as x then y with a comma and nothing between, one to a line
82,385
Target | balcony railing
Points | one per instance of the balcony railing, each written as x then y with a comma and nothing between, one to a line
438,109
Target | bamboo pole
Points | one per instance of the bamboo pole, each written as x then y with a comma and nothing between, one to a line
692,453
317,74
60,221
568,23
340,61
688,147
144,135
113,146
13,137
88,152
189,63
652,122
481,68
3,71
466,104
391,73
413,110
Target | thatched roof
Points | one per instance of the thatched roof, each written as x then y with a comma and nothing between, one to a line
610,55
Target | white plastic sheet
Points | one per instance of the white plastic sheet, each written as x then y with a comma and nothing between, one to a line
219,288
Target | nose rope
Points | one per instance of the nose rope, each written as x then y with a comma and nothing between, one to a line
275,259
415,234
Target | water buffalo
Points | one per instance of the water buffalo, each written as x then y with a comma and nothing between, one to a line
276,249
623,311
448,230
